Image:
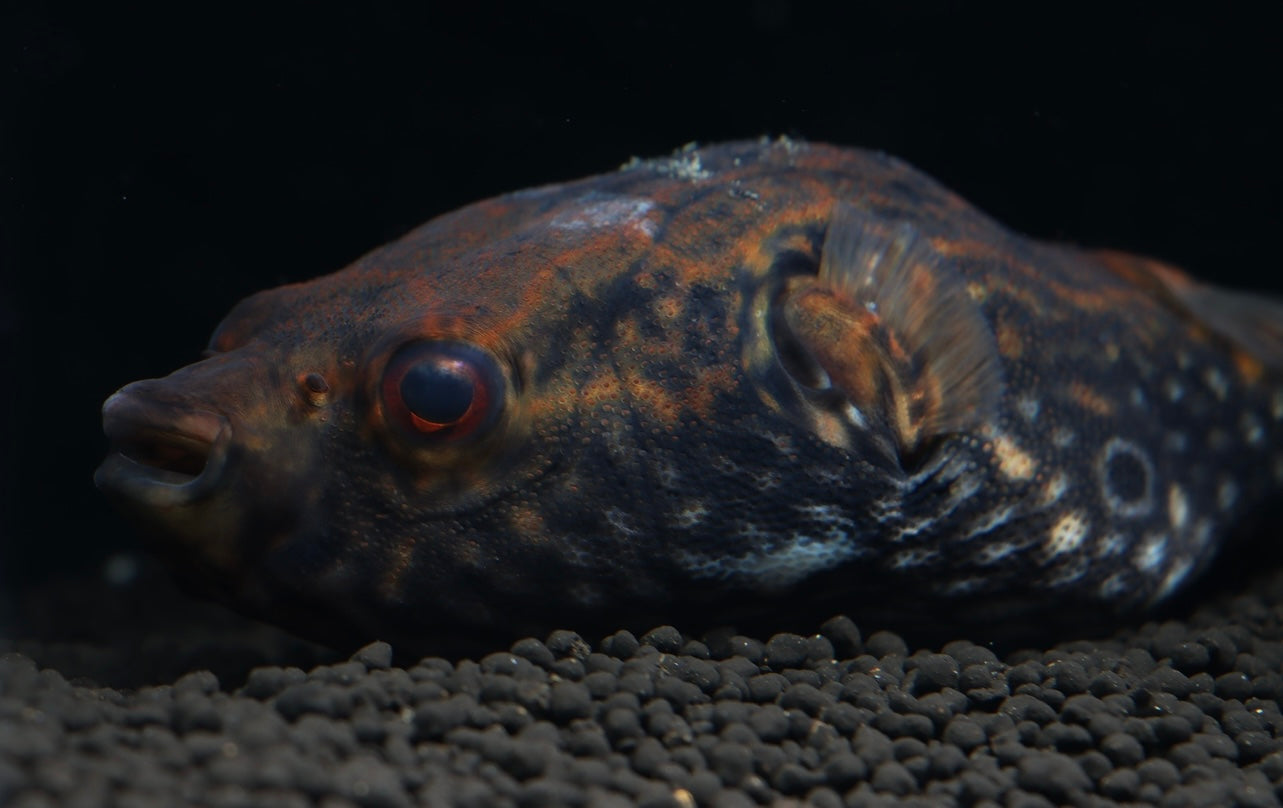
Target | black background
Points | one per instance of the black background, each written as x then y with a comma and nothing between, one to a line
157,165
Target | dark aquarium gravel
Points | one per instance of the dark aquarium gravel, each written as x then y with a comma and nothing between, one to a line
1175,712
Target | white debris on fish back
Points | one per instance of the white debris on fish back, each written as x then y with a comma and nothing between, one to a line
600,213
684,164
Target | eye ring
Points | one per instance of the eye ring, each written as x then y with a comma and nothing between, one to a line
441,391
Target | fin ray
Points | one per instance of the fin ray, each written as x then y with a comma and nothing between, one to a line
891,322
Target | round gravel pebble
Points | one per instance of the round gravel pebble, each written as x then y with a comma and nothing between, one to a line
1178,713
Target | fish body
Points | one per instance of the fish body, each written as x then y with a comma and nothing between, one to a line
752,376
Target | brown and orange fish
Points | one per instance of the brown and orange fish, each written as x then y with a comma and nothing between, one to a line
752,376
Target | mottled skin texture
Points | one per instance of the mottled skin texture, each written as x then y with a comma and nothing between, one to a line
661,453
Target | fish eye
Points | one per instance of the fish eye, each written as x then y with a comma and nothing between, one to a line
442,391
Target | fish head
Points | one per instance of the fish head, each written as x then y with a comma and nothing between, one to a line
396,445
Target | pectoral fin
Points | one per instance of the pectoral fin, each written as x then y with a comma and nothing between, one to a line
891,324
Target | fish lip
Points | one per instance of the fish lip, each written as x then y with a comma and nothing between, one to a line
137,427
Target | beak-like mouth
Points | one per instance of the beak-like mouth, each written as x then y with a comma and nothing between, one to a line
162,455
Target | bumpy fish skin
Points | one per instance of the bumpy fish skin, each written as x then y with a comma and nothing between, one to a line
678,427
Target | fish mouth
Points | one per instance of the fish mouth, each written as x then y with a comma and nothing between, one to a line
162,455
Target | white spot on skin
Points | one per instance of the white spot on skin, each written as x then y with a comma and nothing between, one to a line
912,529
835,525
620,522
990,522
782,443
767,480
1177,507
825,514
1028,407
1125,508
960,587
1070,574
1226,494
1174,389
691,514
1253,430
1173,579
668,475
1063,437
1112,545
1138,398
1151,554
600,214
1216,382
1067,534
1113,586
825,476
946,468
725,465
1055,488
790,562
856,417
1202,533
962,490
1015,463
885,510
908,559
994,553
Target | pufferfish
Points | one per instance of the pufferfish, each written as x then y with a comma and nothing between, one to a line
740,380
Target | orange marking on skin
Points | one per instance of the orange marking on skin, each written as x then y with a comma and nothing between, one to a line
628,333
1248,367
830,429
965,247
398,564
1087,398
603,389
712,380
668,309
554,402
1089,299
646,280
760,246
651,397
1010,342
468,551
1096,299
529,524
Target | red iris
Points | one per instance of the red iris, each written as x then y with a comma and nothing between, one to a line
443,390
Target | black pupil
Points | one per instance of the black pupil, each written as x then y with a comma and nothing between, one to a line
437,392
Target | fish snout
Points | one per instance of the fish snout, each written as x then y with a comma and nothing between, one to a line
165,452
